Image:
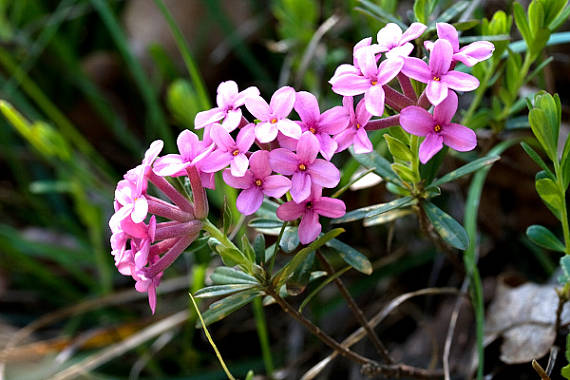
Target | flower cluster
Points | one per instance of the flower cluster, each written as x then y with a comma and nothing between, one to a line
274,155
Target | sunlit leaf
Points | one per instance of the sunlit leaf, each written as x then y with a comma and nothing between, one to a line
226,276
351,256
448,228
221,290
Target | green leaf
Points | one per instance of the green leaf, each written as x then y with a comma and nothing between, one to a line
548,191
265,223
404,172
420,11
222,308
536,158
565,164
522,23
399,150
247,248
450,13
535,17
448,228
290,240
542,236
182,102
541,129
221,290
351,256
465,169
227,216
380,13
284,273
231,256
386,217
267,210
297,283
566,369
380,164
560,19
371,211
226,276
259,248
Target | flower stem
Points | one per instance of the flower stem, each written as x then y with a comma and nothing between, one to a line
173,253
166,210
198,192
378,345
564,211
395,99
390,121
215,232
407,87
169,190
263,335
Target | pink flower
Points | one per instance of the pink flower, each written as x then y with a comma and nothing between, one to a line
355,67
471,54
140,174
192,152
395,44
273,116
355,134
129,203
438,129
330,122
229,101
437,75
306,168
370,82
256,183
229,151
309,211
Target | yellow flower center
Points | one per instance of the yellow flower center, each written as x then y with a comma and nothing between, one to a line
258,182
358,126
373,82
437,128
436,78
273,121
235,152
312,130
309,205
302,167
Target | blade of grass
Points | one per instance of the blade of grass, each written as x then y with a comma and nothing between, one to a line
470,255
182,45
263,335
156,118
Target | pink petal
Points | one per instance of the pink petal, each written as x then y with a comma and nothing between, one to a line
389,36
169,165
222,138
334,120
414,31
152,298
428,45
362,114
449,33
249,200
283,161
329,207
444,112
152,152
249,92
430,146
300,186
289,128
226,93
287,142
389,69
244,182
307,148
436,91
266,132
459,137
239,165
459,81
208,117
140,210
216,161
187,142
245,138
344,139
350,85
374,100
307,107
290,211
348,105
232,120
475,52
309,228
416,120
400,51
282,102
362,143
367,62
440,57
259,164
276,185
324,173
343,69
327,144
417,69
258,107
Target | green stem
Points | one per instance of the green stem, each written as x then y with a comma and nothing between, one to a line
263,335
186,55
520,81
478,96
215,232
564,211
272,262
415,147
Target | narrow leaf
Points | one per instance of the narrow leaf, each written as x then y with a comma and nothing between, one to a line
380,164
465,169
221,290
381,13
548,191
351,256
543,237
371,211
225,276
448,228
536,158
265,223
222,308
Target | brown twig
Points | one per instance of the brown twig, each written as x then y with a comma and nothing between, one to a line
451,330
378,345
